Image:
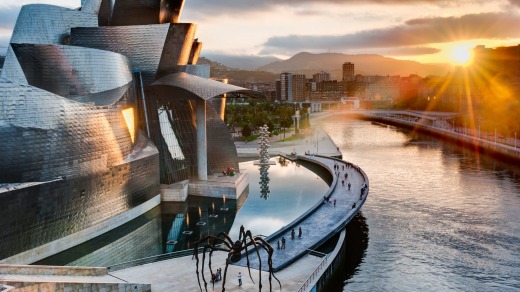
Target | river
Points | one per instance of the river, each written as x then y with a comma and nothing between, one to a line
439,217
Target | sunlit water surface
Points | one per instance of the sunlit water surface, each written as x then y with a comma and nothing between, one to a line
439,217
293,189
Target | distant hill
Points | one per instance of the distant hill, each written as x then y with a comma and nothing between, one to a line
236,76
367,64
242,62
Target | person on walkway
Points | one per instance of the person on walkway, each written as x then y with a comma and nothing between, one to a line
349,185
292,234
213,279
300,232
334,203
278,244
283,242
239,279
219,274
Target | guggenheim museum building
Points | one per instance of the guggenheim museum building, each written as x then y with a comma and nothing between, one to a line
99,107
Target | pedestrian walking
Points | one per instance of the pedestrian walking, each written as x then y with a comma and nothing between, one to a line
283,242
300,232
349,185
278,244
334,203
239,279
292,234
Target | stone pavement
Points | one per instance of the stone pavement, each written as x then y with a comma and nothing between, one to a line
323,222
317,141
179,275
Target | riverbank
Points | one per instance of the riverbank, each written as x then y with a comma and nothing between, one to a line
435,124
494,148
313,141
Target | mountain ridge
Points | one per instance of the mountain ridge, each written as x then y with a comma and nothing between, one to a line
365,64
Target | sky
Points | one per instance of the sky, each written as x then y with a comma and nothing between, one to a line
428,31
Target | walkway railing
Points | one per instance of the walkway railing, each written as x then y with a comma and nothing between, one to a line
306,285
494,137
152,259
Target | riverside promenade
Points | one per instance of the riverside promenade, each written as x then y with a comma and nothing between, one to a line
324,219
295,264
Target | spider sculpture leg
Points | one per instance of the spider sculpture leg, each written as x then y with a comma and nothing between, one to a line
253,242
225,273
269,249
212,246
245,244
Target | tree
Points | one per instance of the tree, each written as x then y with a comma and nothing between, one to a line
246,131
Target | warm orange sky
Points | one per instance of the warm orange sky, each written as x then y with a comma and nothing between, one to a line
422,30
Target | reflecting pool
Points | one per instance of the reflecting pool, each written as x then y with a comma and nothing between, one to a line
276,195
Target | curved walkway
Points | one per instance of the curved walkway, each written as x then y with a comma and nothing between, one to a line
322,221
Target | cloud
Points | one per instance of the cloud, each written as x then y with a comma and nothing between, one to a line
231,6
408,51
414,32
8,17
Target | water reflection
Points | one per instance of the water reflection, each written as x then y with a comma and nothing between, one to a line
293,190
441,217
177,226
209,216
264,181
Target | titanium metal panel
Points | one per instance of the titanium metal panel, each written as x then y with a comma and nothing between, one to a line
44,136
190,86
141,44
48,24
105,12
82,74
195,52
170,11
42,24
12,70
221,149
143,12
197,70
90,6
52,210
177,48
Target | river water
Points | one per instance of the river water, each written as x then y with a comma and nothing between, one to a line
438,217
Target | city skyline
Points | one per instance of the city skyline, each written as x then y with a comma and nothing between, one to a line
428,31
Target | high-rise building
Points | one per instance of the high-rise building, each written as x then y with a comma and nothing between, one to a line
348,71
298,87
292,87
321,76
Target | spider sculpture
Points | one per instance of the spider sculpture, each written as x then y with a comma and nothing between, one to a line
222,242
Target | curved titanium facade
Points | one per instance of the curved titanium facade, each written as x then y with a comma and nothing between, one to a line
42,24
67,71
150,48
70,156
143,12
78,116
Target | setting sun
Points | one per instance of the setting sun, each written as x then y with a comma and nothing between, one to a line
461,55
